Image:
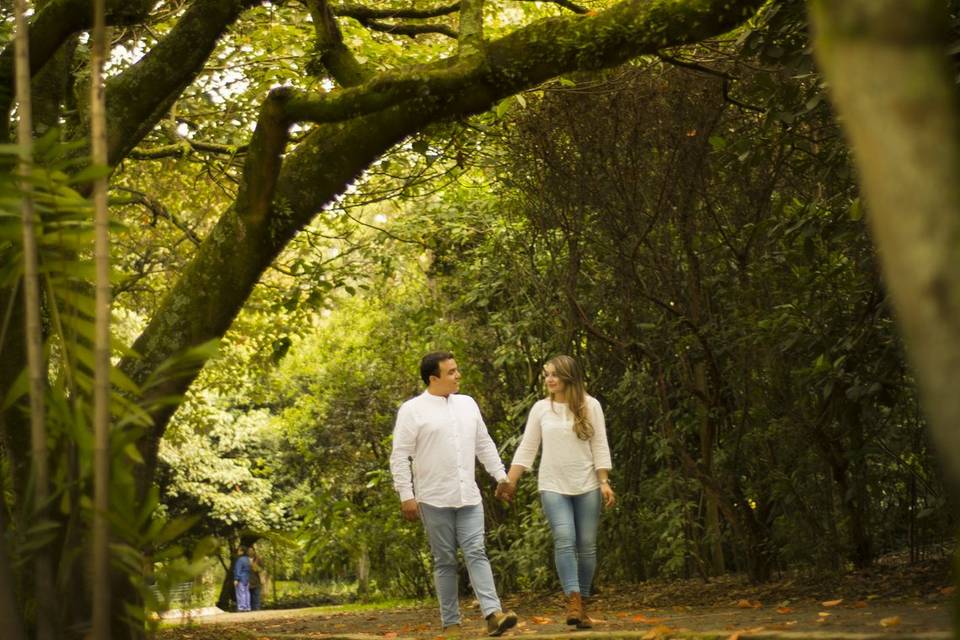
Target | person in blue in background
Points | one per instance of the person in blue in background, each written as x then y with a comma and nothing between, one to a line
241,580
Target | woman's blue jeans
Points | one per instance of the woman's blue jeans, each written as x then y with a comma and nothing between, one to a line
574,521
449,528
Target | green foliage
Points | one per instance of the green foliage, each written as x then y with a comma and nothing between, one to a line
141,534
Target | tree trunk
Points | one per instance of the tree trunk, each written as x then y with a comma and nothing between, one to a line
886,64
101,348
43,569
9,609
363,571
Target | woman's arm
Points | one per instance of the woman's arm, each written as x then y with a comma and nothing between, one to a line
601,453
525,454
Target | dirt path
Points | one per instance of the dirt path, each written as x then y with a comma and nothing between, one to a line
903,603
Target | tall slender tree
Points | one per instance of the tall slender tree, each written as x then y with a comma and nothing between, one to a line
101,395
37,368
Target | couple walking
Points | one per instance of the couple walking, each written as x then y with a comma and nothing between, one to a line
442,434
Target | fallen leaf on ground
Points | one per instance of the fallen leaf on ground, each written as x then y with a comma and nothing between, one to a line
860,604
892,621
784,610
824,614
948,591
744,604
390,634
660,631
645,620
832,603
541,620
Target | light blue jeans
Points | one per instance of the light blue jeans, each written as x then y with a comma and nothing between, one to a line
243,596
574,521
447,528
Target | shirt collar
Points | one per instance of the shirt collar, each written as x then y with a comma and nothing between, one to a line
438,400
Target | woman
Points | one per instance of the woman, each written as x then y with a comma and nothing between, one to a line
572,479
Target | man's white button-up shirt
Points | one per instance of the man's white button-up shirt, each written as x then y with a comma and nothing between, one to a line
443,436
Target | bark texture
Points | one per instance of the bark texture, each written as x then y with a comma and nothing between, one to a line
890,80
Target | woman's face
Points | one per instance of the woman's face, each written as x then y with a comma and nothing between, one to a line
551,381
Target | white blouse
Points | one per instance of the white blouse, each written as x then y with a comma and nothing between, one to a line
569,465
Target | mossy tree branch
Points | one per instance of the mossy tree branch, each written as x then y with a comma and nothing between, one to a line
332,52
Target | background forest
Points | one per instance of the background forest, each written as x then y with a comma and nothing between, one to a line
686,223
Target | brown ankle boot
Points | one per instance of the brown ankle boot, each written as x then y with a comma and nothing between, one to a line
584,618
574,608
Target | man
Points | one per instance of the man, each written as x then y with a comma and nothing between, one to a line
256,578
241,580
442,434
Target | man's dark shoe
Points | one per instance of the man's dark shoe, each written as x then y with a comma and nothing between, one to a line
498,622
451,631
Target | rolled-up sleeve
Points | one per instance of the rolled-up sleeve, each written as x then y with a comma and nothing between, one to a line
526,452
598,443
404,445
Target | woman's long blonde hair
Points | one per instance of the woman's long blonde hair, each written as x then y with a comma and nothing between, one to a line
575,390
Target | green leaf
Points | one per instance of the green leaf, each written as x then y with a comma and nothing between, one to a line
856,210
133,453
90,173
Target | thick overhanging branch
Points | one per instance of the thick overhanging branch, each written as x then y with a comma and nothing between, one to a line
376,95
525,58
262,166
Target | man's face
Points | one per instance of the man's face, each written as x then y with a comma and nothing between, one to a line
449,380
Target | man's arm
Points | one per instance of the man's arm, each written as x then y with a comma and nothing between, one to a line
404,447
487,452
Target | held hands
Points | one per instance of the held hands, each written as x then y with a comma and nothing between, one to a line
506,490
410,510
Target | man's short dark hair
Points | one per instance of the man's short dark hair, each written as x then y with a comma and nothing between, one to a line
430,364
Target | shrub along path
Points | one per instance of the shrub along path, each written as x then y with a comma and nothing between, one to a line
899,602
